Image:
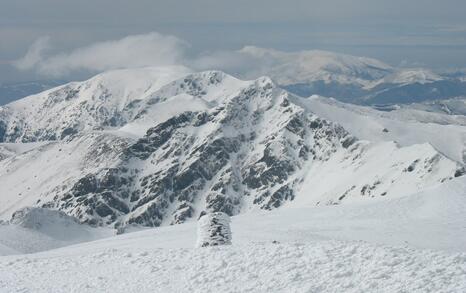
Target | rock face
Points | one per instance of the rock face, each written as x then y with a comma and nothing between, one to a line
213,230
241,152
209,143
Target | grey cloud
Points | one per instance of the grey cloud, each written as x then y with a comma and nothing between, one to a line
419,31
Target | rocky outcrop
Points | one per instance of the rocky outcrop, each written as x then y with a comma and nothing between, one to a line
244,150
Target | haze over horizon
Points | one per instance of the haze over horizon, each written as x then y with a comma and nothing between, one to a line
400,33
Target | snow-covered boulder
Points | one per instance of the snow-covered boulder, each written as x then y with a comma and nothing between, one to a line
213,229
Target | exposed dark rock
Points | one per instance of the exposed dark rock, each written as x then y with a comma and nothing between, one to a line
269,201
412,166
460,172
69,131
348,141
85,185
3,129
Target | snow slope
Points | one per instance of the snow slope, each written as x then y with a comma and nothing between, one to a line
407,76
412,244
30,178
34,229
455,107
445,133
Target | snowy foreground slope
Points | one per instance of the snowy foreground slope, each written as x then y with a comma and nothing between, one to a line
155,147
415,243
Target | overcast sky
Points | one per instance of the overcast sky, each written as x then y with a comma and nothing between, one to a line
429,33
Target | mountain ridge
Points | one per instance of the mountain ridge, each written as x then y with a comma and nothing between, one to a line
208,142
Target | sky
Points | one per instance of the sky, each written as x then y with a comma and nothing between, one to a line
64,39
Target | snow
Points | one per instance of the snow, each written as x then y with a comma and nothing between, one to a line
35,229
164,110
320,267
455,107
5,250
107,98
33,175
171,102
408,76
374,168
8,150
19,148
411,244
407,127
124,85
307,66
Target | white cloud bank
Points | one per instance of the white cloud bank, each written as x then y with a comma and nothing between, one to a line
34,54
152,49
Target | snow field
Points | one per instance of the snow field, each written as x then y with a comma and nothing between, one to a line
328,266
411,244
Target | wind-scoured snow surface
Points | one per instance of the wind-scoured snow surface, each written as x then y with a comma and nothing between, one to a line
416,243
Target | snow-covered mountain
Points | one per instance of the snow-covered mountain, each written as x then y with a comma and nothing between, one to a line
353,79
409,76
305,67
160,146
106,100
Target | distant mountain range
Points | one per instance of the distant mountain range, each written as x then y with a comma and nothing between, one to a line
350,79
10,92
355,80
